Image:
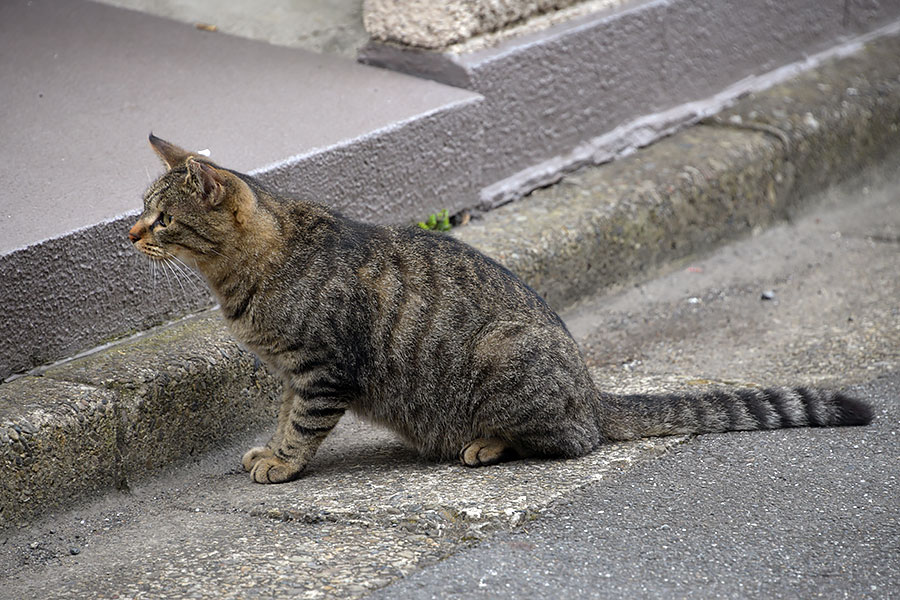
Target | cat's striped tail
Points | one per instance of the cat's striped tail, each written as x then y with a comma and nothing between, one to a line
626,417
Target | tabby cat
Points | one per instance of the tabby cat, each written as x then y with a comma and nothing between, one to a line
413,330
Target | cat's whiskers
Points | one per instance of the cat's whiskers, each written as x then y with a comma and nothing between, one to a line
153,271
182,271
165,272
168,264
220,254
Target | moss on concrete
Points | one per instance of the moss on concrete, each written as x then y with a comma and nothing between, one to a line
100,421
183,390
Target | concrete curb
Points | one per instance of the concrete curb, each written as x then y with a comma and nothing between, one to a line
744,168
98,422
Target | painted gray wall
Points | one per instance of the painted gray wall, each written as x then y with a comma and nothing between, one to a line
550,92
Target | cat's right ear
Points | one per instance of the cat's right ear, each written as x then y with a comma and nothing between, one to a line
171,155
208,182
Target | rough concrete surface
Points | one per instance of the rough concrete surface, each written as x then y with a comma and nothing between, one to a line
811,301
784,509
59,444
436,25
592,87
750,165
102,421
601,226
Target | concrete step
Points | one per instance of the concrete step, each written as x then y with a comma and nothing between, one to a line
596,86
109,418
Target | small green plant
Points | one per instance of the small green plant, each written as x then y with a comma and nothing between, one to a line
438,222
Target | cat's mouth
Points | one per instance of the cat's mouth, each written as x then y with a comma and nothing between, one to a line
153,251
173,268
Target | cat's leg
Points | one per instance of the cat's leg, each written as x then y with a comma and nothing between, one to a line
252,456
307,423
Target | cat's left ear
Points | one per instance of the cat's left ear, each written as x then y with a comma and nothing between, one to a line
171,155
210,183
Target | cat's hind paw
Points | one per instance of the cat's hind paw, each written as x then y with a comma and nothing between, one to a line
254,455
271,469
486,451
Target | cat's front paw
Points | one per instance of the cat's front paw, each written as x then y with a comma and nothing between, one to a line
486,451
272,469
254,455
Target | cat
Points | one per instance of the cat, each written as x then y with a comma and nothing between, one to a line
413,330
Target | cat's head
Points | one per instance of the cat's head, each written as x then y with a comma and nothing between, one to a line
196,211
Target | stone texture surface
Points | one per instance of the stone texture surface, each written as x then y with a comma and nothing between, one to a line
183,390
106,420
438,24
700,36
58,444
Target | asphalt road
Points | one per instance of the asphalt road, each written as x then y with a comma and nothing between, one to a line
786,514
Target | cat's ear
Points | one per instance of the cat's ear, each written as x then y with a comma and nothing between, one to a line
171,155
209,182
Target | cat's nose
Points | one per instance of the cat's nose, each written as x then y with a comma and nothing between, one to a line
135,233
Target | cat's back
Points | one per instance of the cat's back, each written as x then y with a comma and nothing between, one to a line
382,294
403,263
440,268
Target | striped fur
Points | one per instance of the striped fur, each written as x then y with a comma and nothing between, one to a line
720,410
413,330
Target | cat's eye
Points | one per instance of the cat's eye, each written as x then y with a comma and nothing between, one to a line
163,220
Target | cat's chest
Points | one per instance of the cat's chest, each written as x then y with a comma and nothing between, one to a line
250,338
